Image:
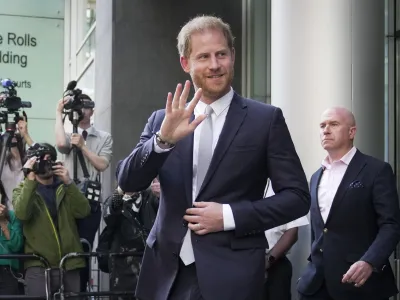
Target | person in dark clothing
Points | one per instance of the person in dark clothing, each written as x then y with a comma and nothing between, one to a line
129,218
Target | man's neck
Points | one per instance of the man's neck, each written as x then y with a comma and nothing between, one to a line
44,181
84,126
338,154
208,99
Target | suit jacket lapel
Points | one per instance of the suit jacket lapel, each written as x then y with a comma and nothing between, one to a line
186,154
356,165
234,119
315,210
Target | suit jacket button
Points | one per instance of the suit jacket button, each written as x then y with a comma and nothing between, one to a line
175,254
320,250
325,230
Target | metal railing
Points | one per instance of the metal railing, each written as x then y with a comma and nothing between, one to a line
61,293
47,269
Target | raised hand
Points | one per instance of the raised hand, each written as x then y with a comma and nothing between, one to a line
176,124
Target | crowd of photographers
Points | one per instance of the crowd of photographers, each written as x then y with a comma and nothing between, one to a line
51,207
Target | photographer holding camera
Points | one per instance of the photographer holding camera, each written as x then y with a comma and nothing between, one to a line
48,203
129,218
12,173
95,147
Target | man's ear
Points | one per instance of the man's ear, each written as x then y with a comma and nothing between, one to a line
185,64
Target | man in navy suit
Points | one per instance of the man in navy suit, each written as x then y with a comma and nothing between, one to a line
354,219
213,157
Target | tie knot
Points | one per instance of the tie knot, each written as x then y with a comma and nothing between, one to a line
84,134
208,110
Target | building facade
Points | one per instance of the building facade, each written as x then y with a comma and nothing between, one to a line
303,56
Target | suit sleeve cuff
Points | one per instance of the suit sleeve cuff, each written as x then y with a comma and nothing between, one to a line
158,149
227,214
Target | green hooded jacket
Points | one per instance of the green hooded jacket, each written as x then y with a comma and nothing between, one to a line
14,244
42,236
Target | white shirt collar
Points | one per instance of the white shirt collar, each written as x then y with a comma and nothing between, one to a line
90,130
346,159
218,106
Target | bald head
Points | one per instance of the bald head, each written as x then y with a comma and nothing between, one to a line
337,131
343,113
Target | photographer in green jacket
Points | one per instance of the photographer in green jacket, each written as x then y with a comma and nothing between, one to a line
11,242
48,203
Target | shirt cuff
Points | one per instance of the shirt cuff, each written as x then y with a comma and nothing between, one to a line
158,149
227,214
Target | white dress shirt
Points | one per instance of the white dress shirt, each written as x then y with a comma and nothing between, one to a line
274,234
220,110
331,177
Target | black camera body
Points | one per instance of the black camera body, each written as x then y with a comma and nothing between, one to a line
41,165
10,99
76,103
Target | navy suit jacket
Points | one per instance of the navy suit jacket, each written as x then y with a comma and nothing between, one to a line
363,224
254,145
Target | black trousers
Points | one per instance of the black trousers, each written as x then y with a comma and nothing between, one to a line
278,284
322,294
186,286
8,283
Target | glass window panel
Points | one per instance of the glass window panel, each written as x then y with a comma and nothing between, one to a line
86,17
86,52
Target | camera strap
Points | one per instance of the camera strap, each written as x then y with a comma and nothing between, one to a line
83,163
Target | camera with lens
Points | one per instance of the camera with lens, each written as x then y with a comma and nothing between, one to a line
77,100
9,98
42,166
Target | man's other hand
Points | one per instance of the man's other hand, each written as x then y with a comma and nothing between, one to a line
155,187
358,273
22,127
77,140
62,173
61,103
29,165
205,217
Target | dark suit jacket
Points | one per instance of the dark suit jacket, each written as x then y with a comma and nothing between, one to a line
363,224
254,144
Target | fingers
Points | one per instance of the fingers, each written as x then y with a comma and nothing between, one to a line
195,100
191,219
185,94
347,276
198,229
196,122
357,276
360,282
194,211
201,232
30,162
168,107
201,204
175,101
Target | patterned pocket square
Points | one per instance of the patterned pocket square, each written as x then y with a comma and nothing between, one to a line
356,184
